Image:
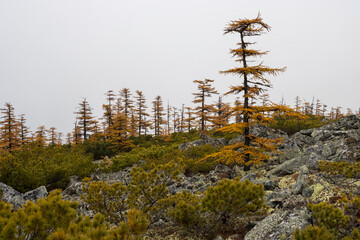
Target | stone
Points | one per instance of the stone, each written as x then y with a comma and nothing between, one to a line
279,225
11,196
35,194
300,181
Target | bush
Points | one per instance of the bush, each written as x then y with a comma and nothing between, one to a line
291,125
230,199
145,191
329,216
109,200
32,167
36,221
55,219
220,208
313,233
342,169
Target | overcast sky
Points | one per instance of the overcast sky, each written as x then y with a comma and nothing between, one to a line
54,52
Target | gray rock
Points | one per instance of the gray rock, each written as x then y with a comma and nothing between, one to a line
279,225
270,185
218,238
277,198
35,194
215,142
251,177
11,196
300,181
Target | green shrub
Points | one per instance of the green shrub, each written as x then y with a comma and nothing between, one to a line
192,156
32,167
342,169
313,233
109,200
328,216
220,208
36,221
185,209
230,199
97,229
291,125
145,191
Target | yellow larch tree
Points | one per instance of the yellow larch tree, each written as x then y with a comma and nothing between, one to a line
158,115
141,114
119,134
23,130
189,119
222,114
203,110
9,137
252,149
85,119
108,108
40,136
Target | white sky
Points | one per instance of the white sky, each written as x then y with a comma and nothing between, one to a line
54,52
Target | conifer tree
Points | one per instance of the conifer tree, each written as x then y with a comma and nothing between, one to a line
118,134
53,136
203,110
251,151
9,129
108,107
189,118
40,136
175,118
23,130
141,113
85,118
168,117
76,134
222,114
182,118
127,102
297,104
158,111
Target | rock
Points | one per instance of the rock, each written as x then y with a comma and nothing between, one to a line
35,194
279,225
218,238
11,196
270,185
222,171
251,177
277,198
300,181
215,142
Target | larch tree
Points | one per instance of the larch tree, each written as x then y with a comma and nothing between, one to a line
85,119
158,115
189,119
127,102
40,136
9,138
203,110
141,113
23,130
76,134
222,113
53,136
108,108
254,82
118,135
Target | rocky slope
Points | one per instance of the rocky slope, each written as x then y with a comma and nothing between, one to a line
291,179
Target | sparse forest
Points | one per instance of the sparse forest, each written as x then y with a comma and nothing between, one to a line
149,170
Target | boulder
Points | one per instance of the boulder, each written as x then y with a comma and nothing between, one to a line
215,142
11,196
279,225
35,194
